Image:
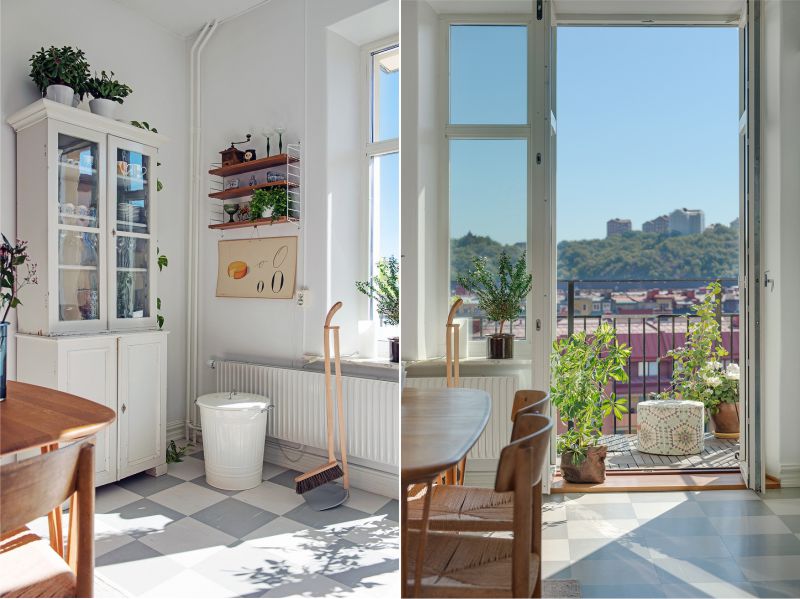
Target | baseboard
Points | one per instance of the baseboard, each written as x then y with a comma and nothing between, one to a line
375,478
176,430
790,475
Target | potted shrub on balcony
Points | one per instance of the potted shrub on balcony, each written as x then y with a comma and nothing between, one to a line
581,366
106,93
60,73
384,288
500,296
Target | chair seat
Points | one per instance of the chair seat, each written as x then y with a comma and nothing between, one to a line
464,508
32,569
466,565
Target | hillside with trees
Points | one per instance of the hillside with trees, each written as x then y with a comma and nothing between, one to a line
634,255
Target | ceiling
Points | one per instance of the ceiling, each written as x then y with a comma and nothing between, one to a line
375,23
187,17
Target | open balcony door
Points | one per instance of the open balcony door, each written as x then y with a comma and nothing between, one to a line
542,98
751,406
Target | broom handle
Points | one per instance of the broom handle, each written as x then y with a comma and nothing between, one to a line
340,402
328,388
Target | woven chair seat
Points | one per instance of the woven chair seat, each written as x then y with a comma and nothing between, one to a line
467,565
464,508
32,569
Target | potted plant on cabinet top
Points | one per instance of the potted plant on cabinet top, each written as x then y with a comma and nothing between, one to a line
384,288
581,366
12,258
500,296
106,92
60,73
697,373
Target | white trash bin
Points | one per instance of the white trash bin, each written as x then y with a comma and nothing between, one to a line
234,430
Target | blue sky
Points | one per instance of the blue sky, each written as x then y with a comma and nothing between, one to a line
389,193
647,122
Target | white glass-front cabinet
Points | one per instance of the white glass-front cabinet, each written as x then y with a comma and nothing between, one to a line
86,193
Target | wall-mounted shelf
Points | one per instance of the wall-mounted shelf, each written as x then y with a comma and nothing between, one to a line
254,165
259,222
240,192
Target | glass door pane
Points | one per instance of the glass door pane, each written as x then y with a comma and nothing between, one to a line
133,191
133,277
78,229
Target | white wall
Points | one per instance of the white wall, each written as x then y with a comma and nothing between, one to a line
316,97
781,221
153,62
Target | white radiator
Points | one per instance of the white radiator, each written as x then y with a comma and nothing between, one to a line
498,430
371,408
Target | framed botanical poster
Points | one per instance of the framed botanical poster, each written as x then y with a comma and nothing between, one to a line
264,268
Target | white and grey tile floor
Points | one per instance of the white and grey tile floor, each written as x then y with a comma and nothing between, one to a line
175,536
682,544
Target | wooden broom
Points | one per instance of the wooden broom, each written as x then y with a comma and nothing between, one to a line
331,470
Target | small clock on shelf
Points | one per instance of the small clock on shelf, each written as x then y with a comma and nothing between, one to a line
249,155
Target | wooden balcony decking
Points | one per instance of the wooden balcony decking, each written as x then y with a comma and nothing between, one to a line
623,455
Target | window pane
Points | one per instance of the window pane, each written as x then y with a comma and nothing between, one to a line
488,74
488,213
385,94
384,210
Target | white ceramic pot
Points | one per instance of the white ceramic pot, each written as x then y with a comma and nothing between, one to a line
267,213
103,107
63,94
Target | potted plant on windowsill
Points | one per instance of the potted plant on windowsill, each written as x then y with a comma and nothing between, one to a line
60,73
106,93
500,296
581,367
12,258
384,288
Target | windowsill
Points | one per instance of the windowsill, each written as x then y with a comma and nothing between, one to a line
476,361
354,362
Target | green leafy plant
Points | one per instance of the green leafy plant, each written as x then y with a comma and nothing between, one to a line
384,288
500,294
145,125
162,262
270,197
175,453
107,88
581,366
699,359
12,258
60,66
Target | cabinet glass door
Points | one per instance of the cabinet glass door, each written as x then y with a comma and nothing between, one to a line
79,229
131,189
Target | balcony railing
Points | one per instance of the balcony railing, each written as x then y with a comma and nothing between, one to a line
650,334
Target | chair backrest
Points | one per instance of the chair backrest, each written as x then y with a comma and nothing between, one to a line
530,401
32,488
531,431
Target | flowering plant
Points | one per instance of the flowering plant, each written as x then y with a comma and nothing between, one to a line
722,386
12,257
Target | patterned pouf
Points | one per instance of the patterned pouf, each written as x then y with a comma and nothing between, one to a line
670,427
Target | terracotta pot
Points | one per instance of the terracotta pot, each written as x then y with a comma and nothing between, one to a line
590,470
394,349
500,347
726,421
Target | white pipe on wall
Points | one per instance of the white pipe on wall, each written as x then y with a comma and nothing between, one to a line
193,237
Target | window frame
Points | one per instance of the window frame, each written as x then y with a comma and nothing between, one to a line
371,150
523,348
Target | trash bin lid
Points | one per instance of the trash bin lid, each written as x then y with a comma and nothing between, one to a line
229,400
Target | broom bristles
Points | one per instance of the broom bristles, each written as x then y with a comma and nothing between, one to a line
325,476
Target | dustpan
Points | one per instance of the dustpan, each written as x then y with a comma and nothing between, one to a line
327,496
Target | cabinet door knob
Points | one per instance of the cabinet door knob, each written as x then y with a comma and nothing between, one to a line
124,407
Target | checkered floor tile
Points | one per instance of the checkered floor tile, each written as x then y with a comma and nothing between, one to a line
682,544
176,536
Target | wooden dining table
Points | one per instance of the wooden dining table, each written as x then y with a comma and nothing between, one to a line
34,417
439,427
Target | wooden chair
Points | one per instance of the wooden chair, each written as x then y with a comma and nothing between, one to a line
464,565
455,476
30,489
474,509
529,401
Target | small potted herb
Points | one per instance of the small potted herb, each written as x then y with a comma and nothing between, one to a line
12,258
107,92
384,288
60,73
581,366
500,296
